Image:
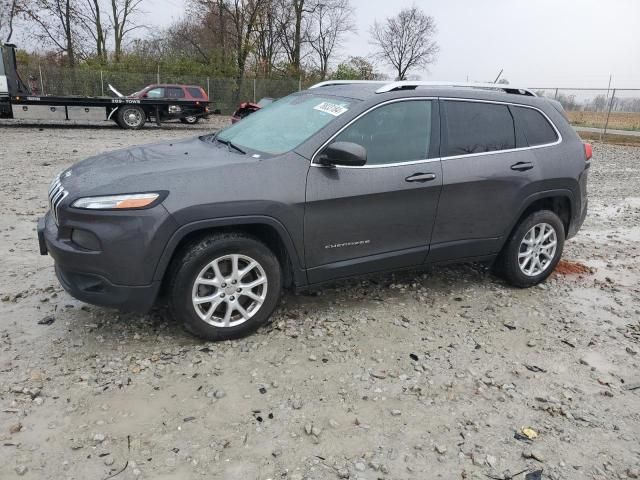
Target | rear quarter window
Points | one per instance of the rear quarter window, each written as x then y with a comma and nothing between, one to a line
195,92
536,128
476,127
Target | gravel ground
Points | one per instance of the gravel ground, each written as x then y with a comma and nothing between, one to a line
416,375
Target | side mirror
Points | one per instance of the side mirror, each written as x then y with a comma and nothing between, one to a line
144,95
343,153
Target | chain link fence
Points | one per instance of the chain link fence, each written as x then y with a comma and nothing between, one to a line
223,92
599,109
589,109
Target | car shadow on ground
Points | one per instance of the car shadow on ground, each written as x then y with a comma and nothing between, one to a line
158,326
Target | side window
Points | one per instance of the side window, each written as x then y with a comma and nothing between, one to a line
155,93
195,92
474,127
393,133
174,92
536,128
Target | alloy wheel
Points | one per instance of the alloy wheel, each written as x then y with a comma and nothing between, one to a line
229,290
537,249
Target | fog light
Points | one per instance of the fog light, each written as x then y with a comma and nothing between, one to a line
85,239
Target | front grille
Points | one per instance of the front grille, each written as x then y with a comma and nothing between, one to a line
57,193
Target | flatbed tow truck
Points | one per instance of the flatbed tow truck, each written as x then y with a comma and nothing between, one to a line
17,101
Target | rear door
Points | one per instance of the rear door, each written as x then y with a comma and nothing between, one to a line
174,92
488,170
378,216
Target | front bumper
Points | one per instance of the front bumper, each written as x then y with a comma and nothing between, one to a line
82,275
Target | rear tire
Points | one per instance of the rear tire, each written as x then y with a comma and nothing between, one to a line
131,117
533,250
241,299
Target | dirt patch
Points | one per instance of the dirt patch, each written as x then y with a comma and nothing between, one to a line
568,267
617,120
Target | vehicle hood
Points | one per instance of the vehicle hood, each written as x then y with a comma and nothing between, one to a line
149,167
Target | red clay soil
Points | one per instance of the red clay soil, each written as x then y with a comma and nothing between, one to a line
566,267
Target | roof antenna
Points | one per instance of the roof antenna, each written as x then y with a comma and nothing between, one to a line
499,75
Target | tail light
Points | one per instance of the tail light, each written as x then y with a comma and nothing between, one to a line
588,151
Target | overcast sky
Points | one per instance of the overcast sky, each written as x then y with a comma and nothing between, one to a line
539,43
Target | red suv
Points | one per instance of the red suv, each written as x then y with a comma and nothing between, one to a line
174,91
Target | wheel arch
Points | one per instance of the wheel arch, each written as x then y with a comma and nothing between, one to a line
267,229
559,201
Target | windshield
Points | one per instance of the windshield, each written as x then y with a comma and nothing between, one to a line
285,124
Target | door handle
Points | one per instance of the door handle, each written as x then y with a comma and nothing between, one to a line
522,166
420,177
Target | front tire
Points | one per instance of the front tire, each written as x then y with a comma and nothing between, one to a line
533,249
224,286
131,117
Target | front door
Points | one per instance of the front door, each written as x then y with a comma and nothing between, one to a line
378,216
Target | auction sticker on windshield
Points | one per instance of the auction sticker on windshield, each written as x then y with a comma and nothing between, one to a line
331,108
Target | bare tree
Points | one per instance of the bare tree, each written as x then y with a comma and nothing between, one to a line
189,38
268,35
123,14
9,10
293,19
243,15
92,20
203,33
331,20
54,21
406,40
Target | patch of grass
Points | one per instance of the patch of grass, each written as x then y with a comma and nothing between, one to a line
617,121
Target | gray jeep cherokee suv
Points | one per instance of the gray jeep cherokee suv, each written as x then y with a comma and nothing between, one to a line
343,179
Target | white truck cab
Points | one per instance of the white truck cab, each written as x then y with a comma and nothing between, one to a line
4,86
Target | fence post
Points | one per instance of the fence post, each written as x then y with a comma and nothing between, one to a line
208,94
41,82
300,84
101,83
606,124
555,97
158,75
254,90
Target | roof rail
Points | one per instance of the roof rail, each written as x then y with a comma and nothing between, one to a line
410,84
329,83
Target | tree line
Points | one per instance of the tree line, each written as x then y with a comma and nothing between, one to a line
225,38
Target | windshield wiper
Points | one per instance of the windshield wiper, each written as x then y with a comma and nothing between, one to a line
230,145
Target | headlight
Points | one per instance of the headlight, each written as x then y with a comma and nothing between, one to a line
117,202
